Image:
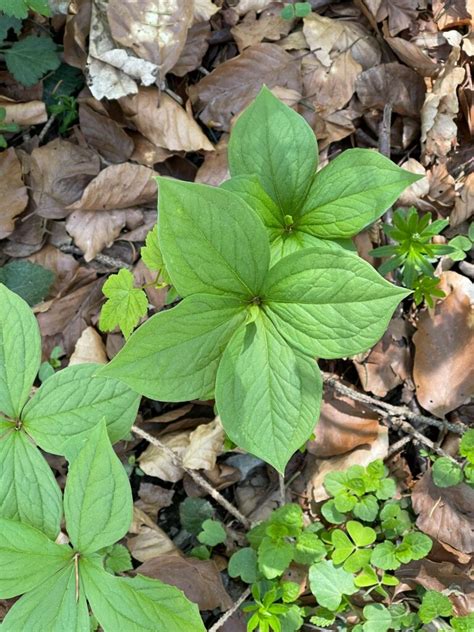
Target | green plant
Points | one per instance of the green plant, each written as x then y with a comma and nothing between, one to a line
8,128
296,10
65,110
246,332
58,581
29,280
340,560
461,245
49,366
446,472
20,8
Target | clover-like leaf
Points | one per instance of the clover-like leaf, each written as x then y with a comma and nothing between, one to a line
384,556
378,618
328,584
414,546
274,557
362,536
212,533
243,564
446,473
366,508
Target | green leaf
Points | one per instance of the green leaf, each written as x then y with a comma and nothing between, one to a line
31,58
362,536
414,546
152,256
329,302
249,189
357,561
331,514
434,604
71,402
27,558
323,617
193,512
28,492
19,8
367,578
125,305
272,141
29,280
446,473
243,564
274,557
463,624
367,508
97,498
212,533
387,489
328,584
378,618
335,482
267,395
51,606
309,549
20,352
228,252
466,447
140,604
384,556
174,355
117,559
343,547
6,23
352,191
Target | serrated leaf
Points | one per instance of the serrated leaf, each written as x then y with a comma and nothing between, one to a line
328,584
243,564
366,509
271,416
193,512
463,624
384,556
446,473
213,533
434,604
152,256
125,305
378,618
20,8
30,58
29,491
323,617
20,352
228,252
466,447
71,402
8,22
309,549
352,191
329,302
174,355
51,606
141,603
27,558
414,546
29,280
274,557
271,140
117,559
97,498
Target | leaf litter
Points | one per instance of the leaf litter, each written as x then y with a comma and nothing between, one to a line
161,85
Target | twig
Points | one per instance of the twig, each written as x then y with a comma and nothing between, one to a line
281,482
226,616
111,262
399,445
197,478
46,128
389,409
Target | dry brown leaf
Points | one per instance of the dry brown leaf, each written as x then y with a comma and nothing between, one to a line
445,513
343,425
250,31
153,498
464,203
438,127
414,194
164,122
233,84
76,34
215,168
59,172
150,541
154,30
393,84
27,238
154,461
204,10
89,348
197,43
24,114
13,192
333,127
316,469
444,344
205,444
105,135
388,364
93,231
401,13
412,55
453,14
200,580
244,6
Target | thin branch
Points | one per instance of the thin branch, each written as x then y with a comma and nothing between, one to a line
226,616
197,478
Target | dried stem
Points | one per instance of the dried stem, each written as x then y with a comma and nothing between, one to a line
226,616
197,478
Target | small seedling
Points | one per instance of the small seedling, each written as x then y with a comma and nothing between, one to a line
446,472
6,128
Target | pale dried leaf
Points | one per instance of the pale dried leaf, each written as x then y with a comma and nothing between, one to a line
164,122
93,231
215,168
150,543
147,153
154,461
412,55
204,10
153,498
105,135
250,31
13,192
24,114
244,6
89,348
444,345
401,13
194,49
205,444
464,203
412,196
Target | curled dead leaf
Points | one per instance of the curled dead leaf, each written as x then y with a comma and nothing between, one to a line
89,348
13,192
105,135
215,168
197,43
24,114
150,541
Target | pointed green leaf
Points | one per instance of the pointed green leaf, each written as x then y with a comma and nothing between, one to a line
249,189
352,191
272,141
125,304
27,558
211,241
267,395
51,606
329,302
328,584
175,354
28,491
97,498
140,604
71,402
20,352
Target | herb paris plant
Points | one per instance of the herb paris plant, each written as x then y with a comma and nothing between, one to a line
246,332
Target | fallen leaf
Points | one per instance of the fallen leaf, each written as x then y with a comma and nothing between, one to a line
452,14
251,31
93,231
243,6
388,363
164,122
414,194
401,14
204,10
215,168
156,462
152,498
27,238
200,580
464,203
65,268
105,135
344,424
24,114
197,43
413,55
150,541
233,84
154,31
13,192
445,513
89,348
76,34
444,345
59,172
205,444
